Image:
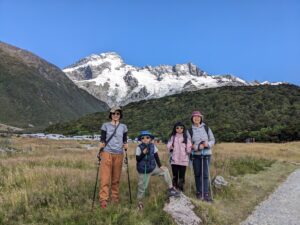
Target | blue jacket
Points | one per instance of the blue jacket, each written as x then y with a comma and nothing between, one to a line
147,164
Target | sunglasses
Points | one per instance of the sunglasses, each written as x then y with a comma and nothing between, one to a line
179,127
116,113
145,137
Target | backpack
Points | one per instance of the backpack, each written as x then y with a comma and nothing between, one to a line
205,127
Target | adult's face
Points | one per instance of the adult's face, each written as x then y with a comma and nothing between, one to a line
115,116
196,119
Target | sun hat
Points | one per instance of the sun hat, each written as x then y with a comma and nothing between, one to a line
145,133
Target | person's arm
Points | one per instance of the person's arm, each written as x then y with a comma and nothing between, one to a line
125,138
139,155
189,146
211,138
103,136
170,146
157,159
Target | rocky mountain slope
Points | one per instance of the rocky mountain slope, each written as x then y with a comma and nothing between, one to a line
109,79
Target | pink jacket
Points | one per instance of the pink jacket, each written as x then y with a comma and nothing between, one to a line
180,154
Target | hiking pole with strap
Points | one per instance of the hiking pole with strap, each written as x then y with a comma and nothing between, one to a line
129,187
210,187
202,177
98,165
192,167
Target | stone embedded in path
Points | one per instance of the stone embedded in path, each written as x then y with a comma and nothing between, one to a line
181,210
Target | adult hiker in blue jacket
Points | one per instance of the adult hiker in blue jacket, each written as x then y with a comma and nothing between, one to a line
203,141
148,164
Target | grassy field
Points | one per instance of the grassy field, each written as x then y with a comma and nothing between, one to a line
51,182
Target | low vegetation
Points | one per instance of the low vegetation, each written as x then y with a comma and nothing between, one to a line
51,182
265,113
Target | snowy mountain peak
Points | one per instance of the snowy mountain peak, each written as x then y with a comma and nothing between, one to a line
109,79
109,60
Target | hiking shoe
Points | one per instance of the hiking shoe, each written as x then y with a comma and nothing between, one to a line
207,197
140,206
199,195
172,192
103,204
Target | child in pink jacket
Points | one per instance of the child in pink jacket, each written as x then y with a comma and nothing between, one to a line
179,146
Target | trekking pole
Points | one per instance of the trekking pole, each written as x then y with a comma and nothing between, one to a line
202,178
145,177
98,165
192,160
126,162
210,187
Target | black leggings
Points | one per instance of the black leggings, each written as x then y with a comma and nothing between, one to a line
178,172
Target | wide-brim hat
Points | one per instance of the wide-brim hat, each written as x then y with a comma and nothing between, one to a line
197,113
115,108
145,133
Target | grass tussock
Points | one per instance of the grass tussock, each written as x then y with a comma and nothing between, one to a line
53,184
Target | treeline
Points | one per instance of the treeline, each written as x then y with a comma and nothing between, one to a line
265,113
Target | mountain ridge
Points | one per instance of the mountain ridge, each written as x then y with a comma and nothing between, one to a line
35,93
108,78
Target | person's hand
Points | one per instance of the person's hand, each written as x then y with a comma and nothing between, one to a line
102,145
145,151
194,147
201,146
205,144
125,146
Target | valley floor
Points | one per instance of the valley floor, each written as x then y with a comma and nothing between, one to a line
51,182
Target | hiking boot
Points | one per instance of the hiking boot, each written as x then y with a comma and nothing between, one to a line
140,206
199,195
172,192
103,204
207,197
181,185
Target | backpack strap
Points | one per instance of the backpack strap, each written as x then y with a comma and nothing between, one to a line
206,129
111,136
190,130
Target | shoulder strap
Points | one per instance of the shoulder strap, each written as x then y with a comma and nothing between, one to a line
191,132
206,129
112,134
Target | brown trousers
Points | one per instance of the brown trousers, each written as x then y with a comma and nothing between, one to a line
110,174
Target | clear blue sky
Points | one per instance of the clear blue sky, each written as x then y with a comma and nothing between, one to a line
254,39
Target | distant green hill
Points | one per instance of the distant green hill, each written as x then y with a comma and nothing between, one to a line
33,91
267,113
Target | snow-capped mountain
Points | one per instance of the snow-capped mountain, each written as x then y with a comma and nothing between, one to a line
109,79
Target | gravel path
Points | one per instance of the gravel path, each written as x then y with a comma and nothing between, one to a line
282,207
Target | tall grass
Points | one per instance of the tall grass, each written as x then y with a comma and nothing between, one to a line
53,184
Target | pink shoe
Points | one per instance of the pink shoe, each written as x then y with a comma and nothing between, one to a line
103,204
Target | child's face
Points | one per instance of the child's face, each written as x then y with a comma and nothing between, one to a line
179,129
146,139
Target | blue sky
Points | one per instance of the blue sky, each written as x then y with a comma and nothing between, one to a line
254,39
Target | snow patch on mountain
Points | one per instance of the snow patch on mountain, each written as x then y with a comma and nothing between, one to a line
109,79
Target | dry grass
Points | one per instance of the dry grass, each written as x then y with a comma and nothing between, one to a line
51,182
289,152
